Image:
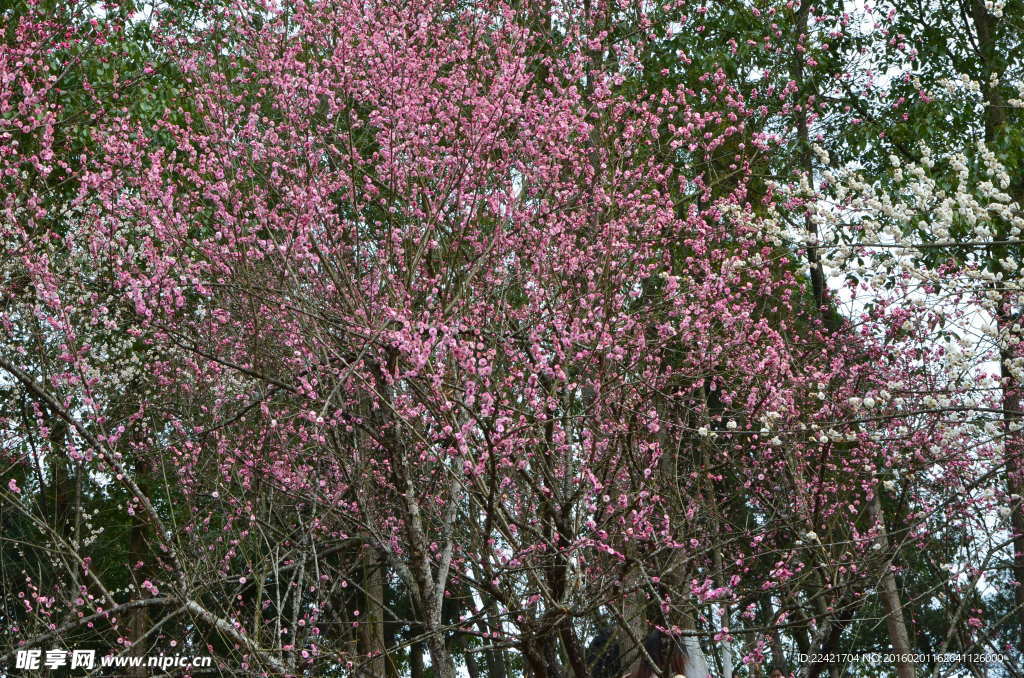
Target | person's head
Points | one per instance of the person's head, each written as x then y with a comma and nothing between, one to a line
776,672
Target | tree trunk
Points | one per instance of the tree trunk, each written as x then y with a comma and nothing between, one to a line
440,659
416,669
775,641
632,627
1009,308
696,665
796,71
894,623
371,630
138,619
471,667
495,659
1013,455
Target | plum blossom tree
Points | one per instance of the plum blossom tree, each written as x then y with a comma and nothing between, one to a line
434,325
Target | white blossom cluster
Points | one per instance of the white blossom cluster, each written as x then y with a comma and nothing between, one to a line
954,207
919,213
962,82
1018,101
995,7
